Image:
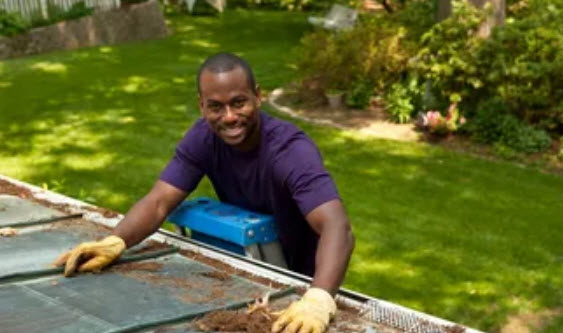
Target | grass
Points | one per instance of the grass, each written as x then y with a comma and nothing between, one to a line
466,239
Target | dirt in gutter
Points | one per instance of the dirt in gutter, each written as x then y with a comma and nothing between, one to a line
259,321
11,189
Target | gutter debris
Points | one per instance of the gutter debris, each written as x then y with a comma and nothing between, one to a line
8,232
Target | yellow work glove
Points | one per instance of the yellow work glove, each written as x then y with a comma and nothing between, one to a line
91,256
311,314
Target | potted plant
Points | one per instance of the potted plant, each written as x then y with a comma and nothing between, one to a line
335,97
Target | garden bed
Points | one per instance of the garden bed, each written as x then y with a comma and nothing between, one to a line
374,121
130,23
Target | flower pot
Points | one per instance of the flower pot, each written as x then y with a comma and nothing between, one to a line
335,100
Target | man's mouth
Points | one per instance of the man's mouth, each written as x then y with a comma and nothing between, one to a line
233,131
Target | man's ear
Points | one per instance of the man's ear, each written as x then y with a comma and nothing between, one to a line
258,94
200,103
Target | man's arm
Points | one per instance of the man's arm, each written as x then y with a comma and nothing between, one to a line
335,247
141,221
313,312
147,215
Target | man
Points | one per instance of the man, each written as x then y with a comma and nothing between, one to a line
258,163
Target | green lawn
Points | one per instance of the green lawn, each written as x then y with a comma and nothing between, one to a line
466,239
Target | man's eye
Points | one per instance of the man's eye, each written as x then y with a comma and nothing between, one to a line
214,107
239,103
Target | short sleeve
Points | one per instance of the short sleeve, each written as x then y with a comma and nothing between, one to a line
301,169
188,166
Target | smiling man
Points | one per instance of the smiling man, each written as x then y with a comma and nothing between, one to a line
256,162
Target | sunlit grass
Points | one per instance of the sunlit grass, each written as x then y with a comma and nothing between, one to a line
466,239
50,67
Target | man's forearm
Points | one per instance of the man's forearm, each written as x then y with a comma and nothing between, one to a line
142,220
333,253
147,214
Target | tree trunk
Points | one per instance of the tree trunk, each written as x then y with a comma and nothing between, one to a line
496,18
444,9
386,6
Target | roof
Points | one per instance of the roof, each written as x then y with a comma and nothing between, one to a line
165,284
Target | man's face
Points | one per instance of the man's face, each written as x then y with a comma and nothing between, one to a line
230,107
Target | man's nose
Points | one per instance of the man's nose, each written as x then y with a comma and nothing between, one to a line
230,115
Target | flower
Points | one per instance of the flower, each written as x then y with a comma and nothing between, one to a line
437,123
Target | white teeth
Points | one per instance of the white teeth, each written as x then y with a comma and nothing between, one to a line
233,131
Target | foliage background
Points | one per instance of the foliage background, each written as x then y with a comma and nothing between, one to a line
416,64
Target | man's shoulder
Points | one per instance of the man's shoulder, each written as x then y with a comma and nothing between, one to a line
200,126
287,143
281,132
199,132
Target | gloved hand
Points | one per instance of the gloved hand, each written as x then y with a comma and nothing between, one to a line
91,256
311,314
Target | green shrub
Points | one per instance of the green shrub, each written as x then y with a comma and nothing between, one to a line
398,103
58,14
360,94
308,5
447,53
11,24
375,51
492,125
417,17
523,64
504,151
319,57
55,14
527,139
127,2
79,10
369,58
253,4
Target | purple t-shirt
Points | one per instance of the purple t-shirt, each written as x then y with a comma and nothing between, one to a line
284,177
